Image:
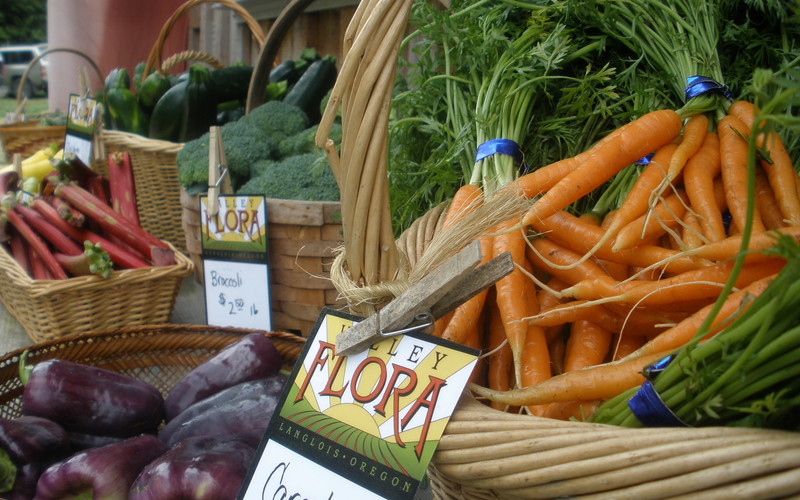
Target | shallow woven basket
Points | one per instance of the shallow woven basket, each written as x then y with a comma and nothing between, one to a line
157,354
154,161
50,309
27,137
485,453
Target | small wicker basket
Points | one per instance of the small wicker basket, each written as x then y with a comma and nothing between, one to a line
26,137
158,354
51,309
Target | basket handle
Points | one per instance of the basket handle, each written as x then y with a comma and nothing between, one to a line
156,53
189,55
269,51
38,58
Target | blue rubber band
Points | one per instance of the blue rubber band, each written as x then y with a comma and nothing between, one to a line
644,160
498,146
648,407
697,85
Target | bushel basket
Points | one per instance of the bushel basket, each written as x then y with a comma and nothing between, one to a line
158,354
486,453
50,309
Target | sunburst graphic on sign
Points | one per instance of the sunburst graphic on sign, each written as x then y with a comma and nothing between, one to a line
381,403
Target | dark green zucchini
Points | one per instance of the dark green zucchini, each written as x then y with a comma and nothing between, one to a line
311,88
231,83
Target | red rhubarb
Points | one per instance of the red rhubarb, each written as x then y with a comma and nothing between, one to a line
57,238
121,257
36,243
151,247
123,187
69,214
93,260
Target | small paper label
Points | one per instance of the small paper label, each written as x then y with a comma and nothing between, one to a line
81,122
364,425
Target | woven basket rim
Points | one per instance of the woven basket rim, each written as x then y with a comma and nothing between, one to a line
131,140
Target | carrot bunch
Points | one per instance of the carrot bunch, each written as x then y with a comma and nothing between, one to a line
593,301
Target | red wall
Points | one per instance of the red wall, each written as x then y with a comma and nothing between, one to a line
113,33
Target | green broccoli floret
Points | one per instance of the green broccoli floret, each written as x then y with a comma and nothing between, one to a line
244,145
260,167
303,142
278,119
305,177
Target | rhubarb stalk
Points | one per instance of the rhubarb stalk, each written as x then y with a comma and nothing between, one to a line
119,255
57,238
68,213
123,187
93,260
150,246
37,244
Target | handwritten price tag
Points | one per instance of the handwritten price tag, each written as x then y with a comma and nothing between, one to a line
237,294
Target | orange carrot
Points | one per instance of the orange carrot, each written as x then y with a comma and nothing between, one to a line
623,345
733,161
729,247
694,133
642,322
587,345
557,345
535,360
683,332
698,181
553,258
666,214
571,410
692,234
500,361
579,236
597,382
645,135
780,171
465,199
691,285
510,289
767,203
464,324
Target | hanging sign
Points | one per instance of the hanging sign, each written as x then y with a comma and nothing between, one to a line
82,117
360,426
235,247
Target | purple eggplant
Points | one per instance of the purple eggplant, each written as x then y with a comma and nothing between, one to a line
244,419
83,398
79,441
27,446
104,473
198,468
252,390
252,357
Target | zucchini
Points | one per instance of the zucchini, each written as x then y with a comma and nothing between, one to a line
231,83
284,72
311,88
167,116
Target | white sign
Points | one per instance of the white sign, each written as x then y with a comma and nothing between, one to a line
237,294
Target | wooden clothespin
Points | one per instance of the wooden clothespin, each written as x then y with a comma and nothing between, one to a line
451,284
218,179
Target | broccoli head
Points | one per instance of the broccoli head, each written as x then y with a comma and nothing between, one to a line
305,177
277,119
244,145
304,141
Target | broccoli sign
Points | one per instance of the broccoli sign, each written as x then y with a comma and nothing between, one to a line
235,262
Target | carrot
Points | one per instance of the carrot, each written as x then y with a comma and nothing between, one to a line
641,322
535,360
683,332
500,361
729,247
666,214
557,345
780,171
698,181
691,285
637,200
578,235
694,133
546,300
571,410
733,162
767,203
692,234
465,199
623,345
556,260
597,382
645,135
464,324
587,345
510,289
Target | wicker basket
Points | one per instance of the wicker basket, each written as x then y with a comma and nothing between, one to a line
157,354
50,309
27,137
154,161
303,236
485,453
